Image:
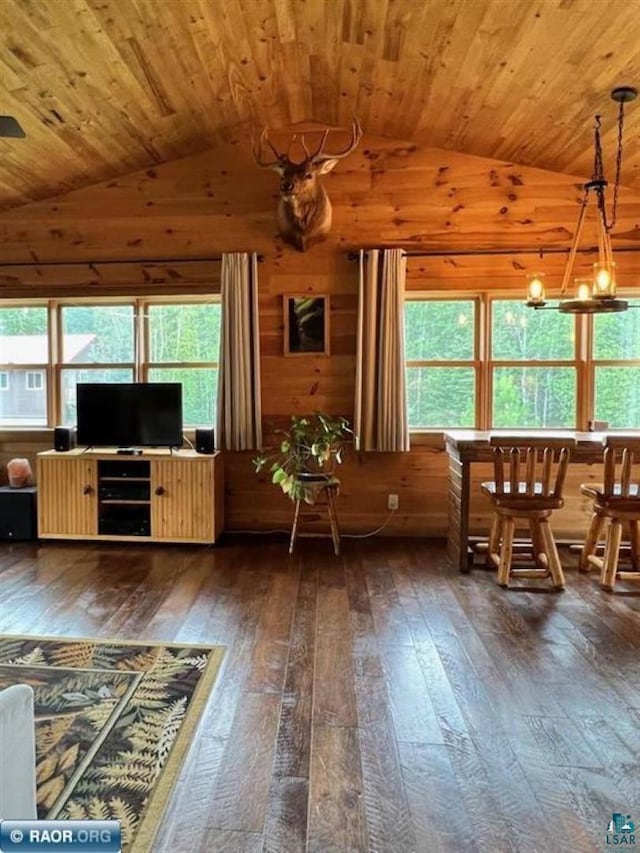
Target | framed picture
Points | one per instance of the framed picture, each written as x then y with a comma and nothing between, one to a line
306,325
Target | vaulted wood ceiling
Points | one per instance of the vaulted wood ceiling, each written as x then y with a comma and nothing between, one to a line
104,87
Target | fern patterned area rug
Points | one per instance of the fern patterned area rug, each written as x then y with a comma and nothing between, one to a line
113,722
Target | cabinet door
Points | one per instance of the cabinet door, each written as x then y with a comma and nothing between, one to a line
182,500
67,496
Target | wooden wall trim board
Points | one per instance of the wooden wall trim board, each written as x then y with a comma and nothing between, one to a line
388,193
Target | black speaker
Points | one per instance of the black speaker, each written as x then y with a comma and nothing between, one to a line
205,440
18,513
64,438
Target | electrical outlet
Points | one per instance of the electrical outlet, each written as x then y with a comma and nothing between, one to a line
392,502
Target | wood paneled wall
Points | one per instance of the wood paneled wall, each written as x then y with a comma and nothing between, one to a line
386,194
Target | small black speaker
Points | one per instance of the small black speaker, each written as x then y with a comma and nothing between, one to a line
64,438
205,440
18,513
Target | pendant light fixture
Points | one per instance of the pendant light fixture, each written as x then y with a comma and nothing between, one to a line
596,295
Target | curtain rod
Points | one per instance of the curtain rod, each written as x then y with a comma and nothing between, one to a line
440,253
165,261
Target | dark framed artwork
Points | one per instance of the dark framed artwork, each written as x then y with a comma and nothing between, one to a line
306,325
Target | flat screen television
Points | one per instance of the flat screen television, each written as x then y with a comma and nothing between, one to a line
117,414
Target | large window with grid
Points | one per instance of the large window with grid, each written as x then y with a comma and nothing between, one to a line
47,348
491,362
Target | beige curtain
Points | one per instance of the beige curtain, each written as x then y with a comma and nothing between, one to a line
239,413
381,402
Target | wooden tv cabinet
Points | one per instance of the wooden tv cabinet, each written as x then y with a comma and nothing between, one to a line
153,496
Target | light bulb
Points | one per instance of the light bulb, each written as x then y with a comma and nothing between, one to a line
535,289
584,291
604,281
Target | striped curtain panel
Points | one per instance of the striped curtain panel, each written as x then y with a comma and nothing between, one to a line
239,421
381,401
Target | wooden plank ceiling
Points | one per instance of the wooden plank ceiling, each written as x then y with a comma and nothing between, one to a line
105,87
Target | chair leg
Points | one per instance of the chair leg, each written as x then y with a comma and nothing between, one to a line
494,539
333,520
590,543
634,536
555,566
506,550
611,553
294,528
537,542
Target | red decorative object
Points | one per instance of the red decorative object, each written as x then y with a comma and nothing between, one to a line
19,473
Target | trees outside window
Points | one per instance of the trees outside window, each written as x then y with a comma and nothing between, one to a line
441,362
616,369
533,369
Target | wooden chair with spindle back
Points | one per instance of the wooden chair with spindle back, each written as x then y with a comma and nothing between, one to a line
529,480
617,501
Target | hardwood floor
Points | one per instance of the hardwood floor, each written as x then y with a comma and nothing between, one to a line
378,701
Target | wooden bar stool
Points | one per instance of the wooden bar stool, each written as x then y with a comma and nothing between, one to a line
616,501
321,492
529,479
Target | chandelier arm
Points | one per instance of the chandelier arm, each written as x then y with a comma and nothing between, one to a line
608,250
604,243
576,240
616,186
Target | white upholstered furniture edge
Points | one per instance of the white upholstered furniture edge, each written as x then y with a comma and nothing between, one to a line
17,754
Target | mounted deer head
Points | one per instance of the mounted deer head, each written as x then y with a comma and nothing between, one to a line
304,209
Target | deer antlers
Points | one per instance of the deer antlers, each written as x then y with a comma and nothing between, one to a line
315,158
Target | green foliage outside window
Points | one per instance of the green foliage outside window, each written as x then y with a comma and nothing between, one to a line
27,320
534,397
520,334
617,393
107,329
184,332
441,397
439,330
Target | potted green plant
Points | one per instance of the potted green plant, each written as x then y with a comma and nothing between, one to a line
307,454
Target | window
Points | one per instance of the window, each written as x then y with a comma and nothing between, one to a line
533,369
97,346
441,362
55,345
490,362
4,381
34,380
24,351
616,369
184,341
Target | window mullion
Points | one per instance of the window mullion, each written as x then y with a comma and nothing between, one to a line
54,377
484,393
141,344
